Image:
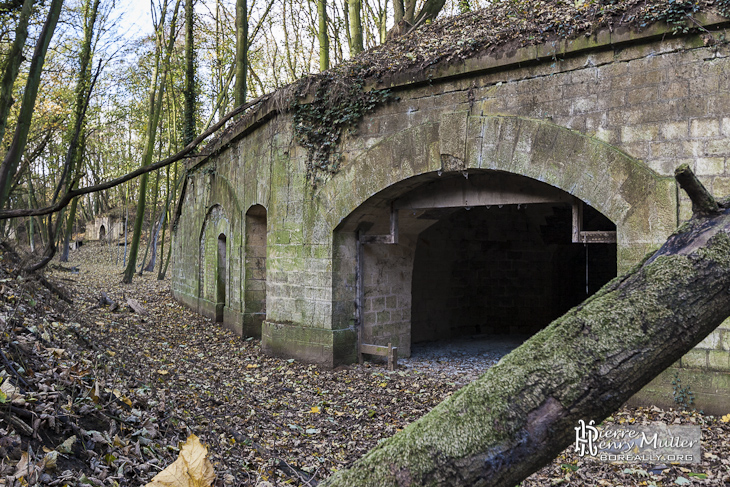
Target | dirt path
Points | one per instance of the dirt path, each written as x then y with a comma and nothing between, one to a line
281,421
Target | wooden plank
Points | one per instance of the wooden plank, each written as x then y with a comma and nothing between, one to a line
379,350
392,357
481,190
376,239
577,219
390,352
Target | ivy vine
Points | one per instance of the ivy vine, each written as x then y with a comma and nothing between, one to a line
676,15
723,6
338,105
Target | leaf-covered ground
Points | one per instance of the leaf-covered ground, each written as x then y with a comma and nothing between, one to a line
105,396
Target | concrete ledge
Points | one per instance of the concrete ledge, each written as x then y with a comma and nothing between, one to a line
711,390
207,308
327,348
233,320
185,299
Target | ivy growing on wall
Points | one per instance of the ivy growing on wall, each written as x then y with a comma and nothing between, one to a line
723,6
339,104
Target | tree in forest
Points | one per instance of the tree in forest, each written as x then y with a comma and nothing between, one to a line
157,87
323,36
11,64
354,9
189,91
22,127
82,93
522,412
241,51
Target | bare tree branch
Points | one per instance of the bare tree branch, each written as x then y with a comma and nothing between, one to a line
66,198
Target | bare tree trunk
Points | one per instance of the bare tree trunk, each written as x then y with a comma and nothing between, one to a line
158,224
189,93
354,10
20,137
82,93
429,11
69,230
399,11
241,51
155,106
324,39
522,412
12,64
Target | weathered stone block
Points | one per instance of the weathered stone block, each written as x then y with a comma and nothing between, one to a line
710,166
718,360
674,131
695,359
718,147
640,133
705,128
711,342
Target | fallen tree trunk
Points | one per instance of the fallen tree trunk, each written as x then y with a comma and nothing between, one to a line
522,412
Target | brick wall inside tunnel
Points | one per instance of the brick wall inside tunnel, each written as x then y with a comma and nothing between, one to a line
500,271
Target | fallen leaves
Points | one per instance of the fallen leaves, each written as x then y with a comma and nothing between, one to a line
124,393
191,469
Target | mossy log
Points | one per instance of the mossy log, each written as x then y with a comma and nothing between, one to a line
522,412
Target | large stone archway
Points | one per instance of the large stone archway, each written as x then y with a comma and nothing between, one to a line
483,160
640,202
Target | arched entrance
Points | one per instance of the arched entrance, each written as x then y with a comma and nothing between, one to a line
102,232
475,253
255,271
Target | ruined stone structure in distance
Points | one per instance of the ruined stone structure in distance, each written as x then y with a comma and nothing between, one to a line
494,194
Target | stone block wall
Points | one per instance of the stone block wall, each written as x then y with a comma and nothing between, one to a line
387,307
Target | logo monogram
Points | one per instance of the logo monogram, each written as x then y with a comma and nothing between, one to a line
585,437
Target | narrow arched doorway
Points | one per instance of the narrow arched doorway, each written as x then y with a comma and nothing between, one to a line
220,282
102,232
255,271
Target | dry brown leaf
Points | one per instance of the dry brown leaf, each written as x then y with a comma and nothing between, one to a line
191,469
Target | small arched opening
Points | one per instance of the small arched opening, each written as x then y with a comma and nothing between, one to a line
102,232
220,282
255,271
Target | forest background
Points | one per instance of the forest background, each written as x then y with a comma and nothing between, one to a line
94,89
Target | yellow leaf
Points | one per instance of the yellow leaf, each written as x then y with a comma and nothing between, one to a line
253,366
726,418
315,409
57,352
94,395
66,446
163,372
110,353
191,469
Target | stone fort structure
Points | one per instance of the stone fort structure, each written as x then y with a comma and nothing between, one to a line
496,193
